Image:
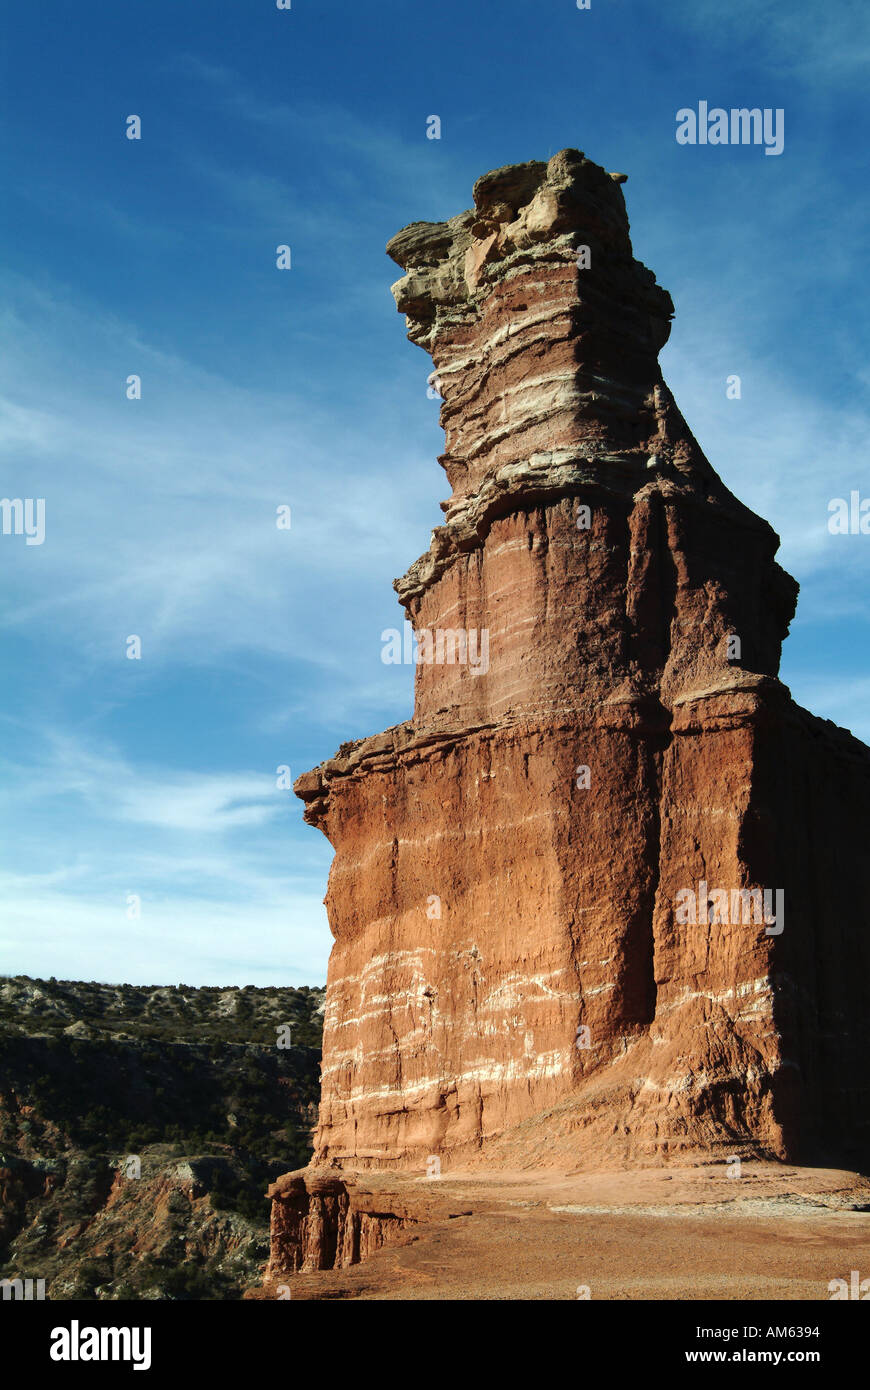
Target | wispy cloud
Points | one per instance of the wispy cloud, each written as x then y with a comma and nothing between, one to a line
821,44
268,941
207,803
367,148
214,862
162,513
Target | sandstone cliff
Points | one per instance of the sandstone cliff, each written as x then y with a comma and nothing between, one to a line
552,940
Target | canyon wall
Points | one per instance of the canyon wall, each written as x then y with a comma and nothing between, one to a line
552,943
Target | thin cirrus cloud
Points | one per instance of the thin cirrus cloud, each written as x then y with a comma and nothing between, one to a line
776,36
107,783
167,520
211,860
176,939
167,528
368,146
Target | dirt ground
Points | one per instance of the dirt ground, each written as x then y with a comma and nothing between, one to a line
776,1232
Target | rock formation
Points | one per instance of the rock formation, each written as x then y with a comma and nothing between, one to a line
601,899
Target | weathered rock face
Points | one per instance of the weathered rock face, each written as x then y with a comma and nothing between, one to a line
551,939
321,1221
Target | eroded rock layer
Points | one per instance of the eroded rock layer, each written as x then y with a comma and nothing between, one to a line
534,961
320,1221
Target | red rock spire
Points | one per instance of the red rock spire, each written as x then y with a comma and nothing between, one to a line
514,978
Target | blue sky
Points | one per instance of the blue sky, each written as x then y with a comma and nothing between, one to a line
261,647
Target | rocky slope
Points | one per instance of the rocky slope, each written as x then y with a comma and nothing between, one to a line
548,890
139,1128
